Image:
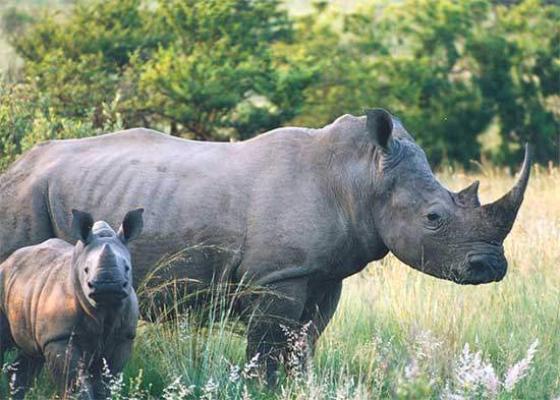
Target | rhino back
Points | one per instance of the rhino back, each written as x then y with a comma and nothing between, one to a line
194,192
262,199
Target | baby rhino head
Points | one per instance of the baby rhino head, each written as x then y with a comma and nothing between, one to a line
101,262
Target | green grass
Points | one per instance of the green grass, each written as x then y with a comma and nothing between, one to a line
397,333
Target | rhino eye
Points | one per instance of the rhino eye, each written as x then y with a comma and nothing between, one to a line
433,217
127,268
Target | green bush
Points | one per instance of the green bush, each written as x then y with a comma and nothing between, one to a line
28,118
468,78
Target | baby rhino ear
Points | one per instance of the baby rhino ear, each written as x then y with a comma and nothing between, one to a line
132,225
82,222
379,125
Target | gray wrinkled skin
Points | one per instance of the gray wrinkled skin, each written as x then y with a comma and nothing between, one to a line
295,209
70,307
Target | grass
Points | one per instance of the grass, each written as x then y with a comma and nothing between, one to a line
397,333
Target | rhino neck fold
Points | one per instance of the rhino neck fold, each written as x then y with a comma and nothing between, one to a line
354,196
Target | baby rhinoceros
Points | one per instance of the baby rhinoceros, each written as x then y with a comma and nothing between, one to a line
72,308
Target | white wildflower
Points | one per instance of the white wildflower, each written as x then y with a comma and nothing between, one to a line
473,373
114,384
234,373
246,395
425,345
176,390
520,369
412,370
297,349
250,370
209,390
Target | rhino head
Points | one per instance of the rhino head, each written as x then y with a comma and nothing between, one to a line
442,233
101,260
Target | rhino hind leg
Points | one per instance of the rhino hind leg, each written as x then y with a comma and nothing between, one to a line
25,213
21,374
275,310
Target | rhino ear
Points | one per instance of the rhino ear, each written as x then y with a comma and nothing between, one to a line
82,222
469,195
379,125
132,225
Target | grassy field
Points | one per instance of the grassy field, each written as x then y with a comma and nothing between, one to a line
397,332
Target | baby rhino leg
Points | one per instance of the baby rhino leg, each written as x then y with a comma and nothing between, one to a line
21,374
6,341
65,363
105,369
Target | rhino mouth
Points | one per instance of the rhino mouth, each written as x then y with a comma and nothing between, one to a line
482,268
109,292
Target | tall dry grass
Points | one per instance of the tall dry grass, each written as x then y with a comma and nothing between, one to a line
397,333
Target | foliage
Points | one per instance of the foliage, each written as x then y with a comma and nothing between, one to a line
201,69
466,77
450,69
28,118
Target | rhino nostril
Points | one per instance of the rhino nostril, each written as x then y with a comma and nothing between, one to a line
125,284
479,263
90,285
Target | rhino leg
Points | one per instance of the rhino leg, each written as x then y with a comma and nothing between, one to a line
21,374
66,366
25,215
321,305
276,309
115,363
320,308
6,340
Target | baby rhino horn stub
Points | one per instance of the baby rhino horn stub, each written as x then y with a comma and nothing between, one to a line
107,256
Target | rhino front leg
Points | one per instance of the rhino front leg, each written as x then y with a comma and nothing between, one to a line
277,308
6,340
65,363
21,374
321,305
115,363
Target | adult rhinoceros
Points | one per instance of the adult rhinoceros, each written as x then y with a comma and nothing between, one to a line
297,209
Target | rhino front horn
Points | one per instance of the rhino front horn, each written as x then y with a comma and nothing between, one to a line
503,211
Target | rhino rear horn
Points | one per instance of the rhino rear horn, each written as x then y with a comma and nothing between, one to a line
469,195
502,212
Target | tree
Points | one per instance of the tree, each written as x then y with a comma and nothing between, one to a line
199,69
450,69
518,61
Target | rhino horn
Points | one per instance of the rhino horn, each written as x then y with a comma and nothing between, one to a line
469,195
107,256
503,211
